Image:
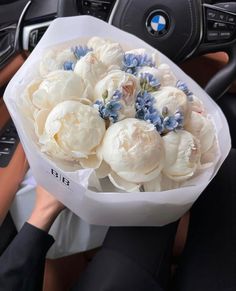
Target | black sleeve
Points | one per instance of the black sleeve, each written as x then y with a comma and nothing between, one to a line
22,263
7,233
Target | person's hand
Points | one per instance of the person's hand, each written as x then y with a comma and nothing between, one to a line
46,209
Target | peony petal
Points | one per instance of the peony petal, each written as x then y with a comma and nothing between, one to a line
209,157
92,162
123,184
40,120
141,177
182,155
103,170
154,185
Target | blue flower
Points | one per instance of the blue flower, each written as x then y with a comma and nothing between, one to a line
143,104
179,117
117,95
132,62
149,83
174,122
68,66
183,87
80,51
156,119
170,123
146,111
146,60
109,110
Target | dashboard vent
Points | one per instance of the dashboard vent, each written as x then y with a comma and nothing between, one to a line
32,35
35,36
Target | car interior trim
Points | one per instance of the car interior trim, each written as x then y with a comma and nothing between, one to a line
4,114
215,7
28,29
113,12
201,34
10,69
20,22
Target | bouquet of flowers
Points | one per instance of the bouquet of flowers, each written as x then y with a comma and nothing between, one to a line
130,139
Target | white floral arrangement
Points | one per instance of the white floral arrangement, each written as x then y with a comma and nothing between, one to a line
112,127
122,113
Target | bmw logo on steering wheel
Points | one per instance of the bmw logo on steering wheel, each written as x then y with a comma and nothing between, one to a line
158,23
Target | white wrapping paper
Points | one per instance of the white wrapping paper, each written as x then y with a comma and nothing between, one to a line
107,208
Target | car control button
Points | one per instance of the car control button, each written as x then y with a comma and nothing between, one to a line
225,34
231,19
212,35
7,140
86,3
231,27
220,25
8,143
222,16
105,7
5,150
212,14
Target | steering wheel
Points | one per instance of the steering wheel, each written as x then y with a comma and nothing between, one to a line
178,28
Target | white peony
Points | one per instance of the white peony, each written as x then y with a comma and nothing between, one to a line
90,69
96,42
25,102
167,76
197,105
182,155
58,86
203,129
170,100
73,131
109,53
134,151
54,60
40,118
126,83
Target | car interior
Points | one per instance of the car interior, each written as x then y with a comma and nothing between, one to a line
198,35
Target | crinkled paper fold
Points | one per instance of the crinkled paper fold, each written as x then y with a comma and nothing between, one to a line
70,187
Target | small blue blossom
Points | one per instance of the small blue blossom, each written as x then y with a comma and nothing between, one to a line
183,87
132,62
174,122
156,119
80,51
146,60
170,123
110,110
117,95
68,66
179,117
162,121
149,83
146,111
144,101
